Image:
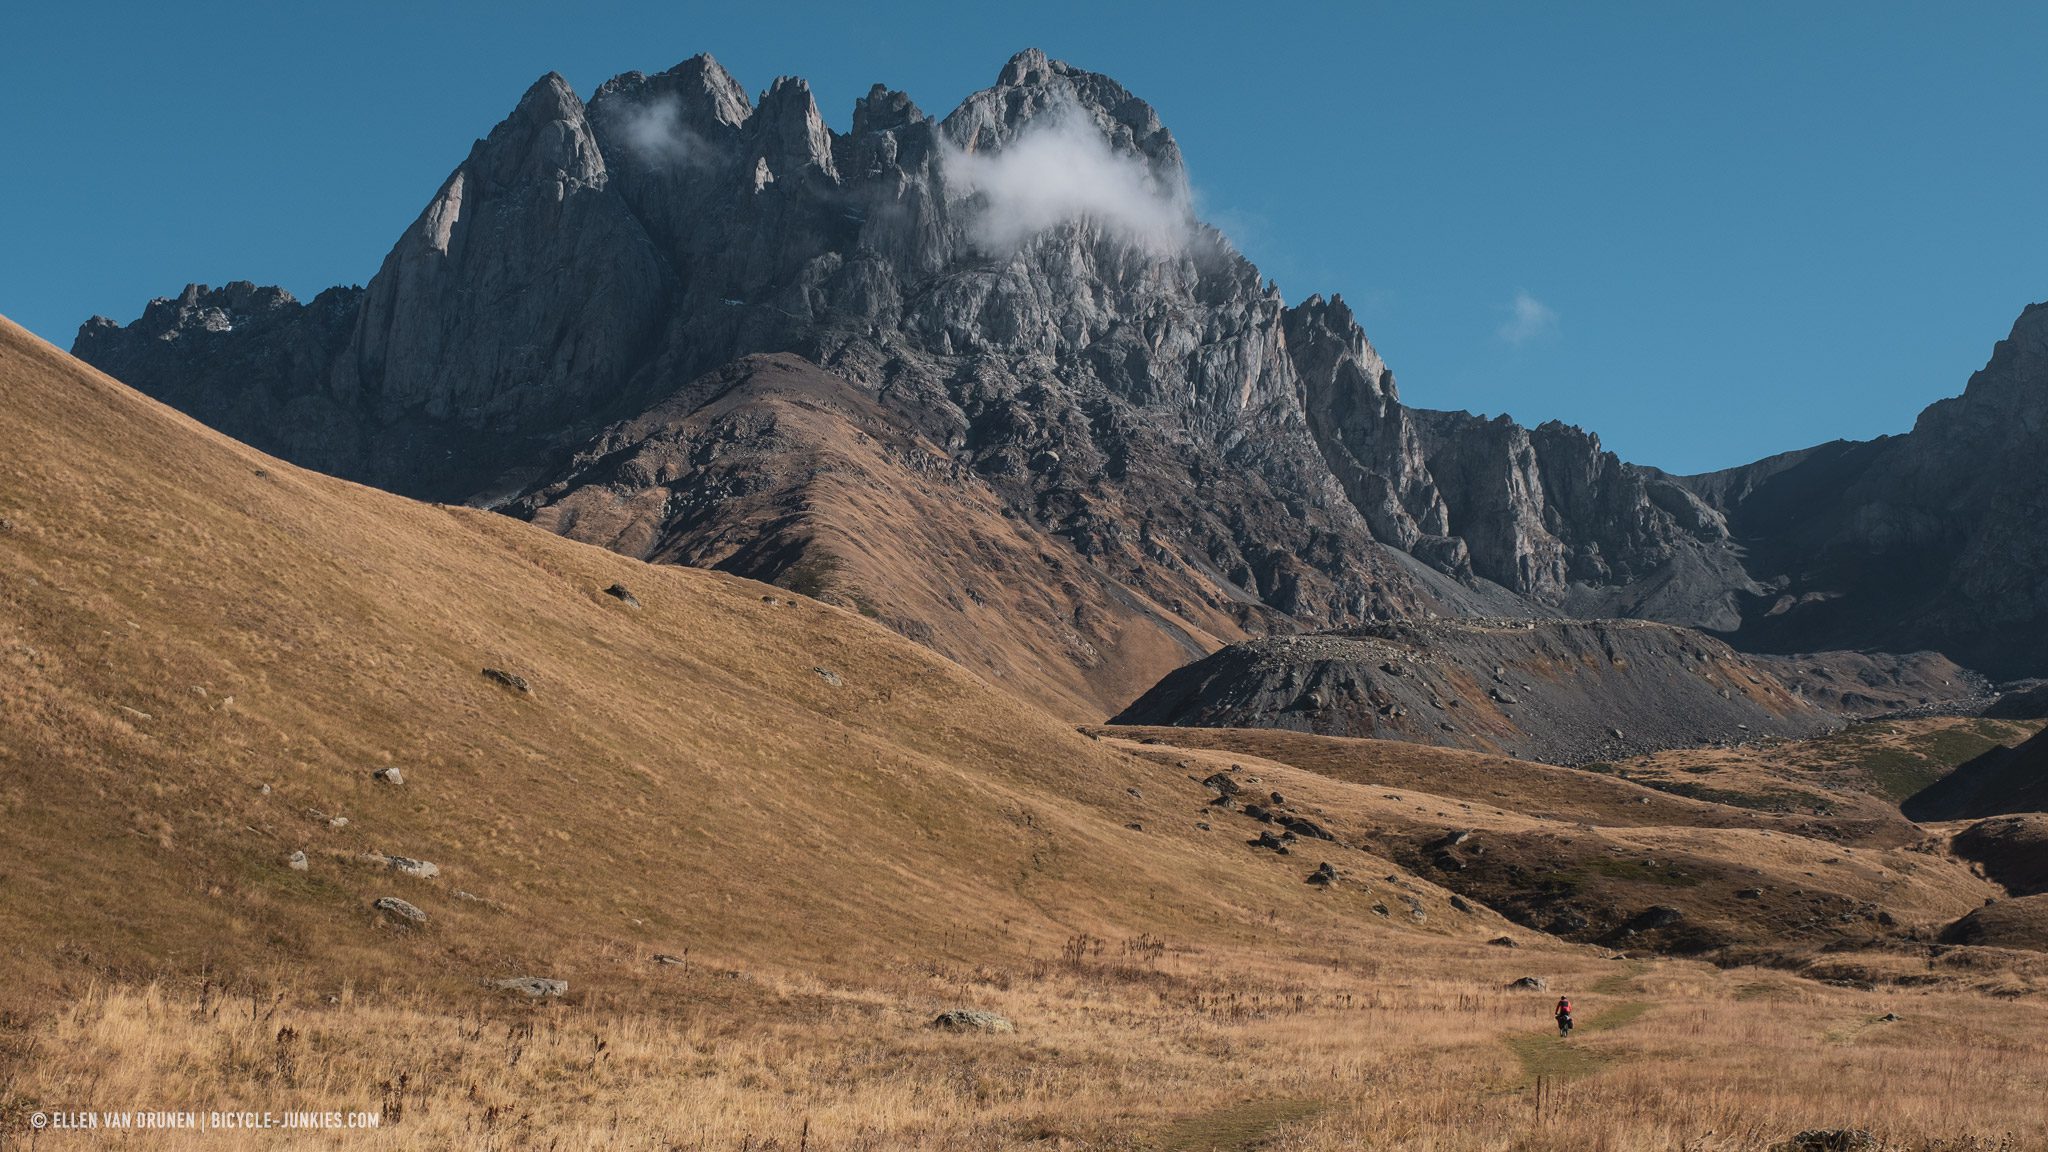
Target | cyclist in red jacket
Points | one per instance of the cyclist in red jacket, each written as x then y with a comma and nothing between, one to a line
1564,1016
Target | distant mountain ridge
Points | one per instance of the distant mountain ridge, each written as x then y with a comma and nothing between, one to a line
1078,355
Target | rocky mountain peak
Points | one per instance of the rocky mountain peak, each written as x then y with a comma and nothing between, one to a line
884,109
1028,68
789,134
1033,91
546,140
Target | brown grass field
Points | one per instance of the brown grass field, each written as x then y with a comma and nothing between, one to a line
204,653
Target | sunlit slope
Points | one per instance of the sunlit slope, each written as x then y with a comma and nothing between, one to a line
205,653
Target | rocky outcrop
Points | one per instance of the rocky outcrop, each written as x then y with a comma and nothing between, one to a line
1557,691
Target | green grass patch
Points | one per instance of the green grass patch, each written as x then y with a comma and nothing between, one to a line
1633,871
1548,1055
1236,1128
1619,1016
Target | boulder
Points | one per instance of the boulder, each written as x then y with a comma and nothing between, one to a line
399,909
972,1020
534,986
388,776
1323,876
297,862
620,593
1529,984
510,680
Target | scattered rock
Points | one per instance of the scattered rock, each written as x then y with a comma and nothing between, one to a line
1202,824
1323,876
1135,826
1890,1018
1529,984
666,958
399,908
337,822
1301,826
1268,840
1504,942
1749,894
263,789
534,986
1222,782
1448,862
1459,837
388,776
1259,812
406,865
1381,909
1567,922
1656,916
1461,904
297,861
1278,799
1503,697
972,1020
620,593
828,676
1135,794
508,679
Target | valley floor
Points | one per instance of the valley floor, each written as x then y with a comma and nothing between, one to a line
1130,1044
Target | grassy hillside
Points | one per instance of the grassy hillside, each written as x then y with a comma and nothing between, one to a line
766,840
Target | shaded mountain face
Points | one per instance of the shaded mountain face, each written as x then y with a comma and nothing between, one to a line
1933,539
1017,289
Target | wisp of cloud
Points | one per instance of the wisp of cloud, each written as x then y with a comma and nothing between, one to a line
1528,318
1061,168
656,133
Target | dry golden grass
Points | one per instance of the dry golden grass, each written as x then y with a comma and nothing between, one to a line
1190,1049
185,622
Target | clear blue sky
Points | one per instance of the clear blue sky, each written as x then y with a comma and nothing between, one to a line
1733,229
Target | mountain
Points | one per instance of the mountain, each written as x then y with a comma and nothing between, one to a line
1031,326
1932,539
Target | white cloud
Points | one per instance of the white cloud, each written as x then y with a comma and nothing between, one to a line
656,133
1528,319
1061,168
